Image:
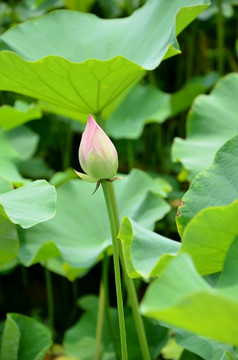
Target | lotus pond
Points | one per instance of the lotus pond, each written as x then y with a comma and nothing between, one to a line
134,255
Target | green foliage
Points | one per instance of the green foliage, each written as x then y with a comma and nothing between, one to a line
30,204
128,120
211,122
79,340
76,76
75,63
24,339
11,117
179,302
209,185
81,246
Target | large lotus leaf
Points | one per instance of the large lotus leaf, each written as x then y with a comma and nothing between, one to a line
146,253
211,122
182,298
206,348
80,230
30,204
88,63
143,105
11,117
215,186
24,339
206,239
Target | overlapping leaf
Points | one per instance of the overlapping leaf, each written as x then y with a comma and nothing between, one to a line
79,233
11,117
128,120
80,340
24,339
215,186
206,239
211,122
78,71
146,253
29,205
191,304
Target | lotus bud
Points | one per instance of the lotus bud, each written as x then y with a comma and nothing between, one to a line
97,154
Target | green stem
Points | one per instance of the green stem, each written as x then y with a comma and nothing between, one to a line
130,285
220,38
105,186
24,275
50,300
130,154
67,146
100,318
105,272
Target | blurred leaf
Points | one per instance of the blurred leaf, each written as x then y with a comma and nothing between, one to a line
80,231
94,71
24,140
206,348
30,204
80,339
180,294
9,243
227,9
172,350
210,123
215,186
9,171
5,185
11,117
7,150
128,121
61,177
24,339
182,99
82,5
227,356
187,355
35,168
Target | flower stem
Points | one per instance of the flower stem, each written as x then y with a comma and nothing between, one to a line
50,300
220,38
130,286
105,272
100,318
105,186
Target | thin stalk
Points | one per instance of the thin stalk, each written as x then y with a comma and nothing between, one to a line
105,272
75,290
67,149
130,154
220,38
24,276
130,285
105,186
99,329
50,300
